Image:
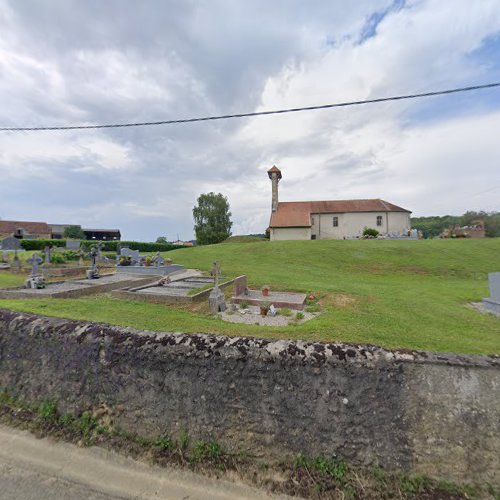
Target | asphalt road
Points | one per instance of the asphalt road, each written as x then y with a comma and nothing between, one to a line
40,469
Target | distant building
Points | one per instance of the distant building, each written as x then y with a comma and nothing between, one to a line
334,219
58,230
474,230
182,243
41,230
24,229
102,234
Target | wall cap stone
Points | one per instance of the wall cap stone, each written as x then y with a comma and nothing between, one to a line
200,345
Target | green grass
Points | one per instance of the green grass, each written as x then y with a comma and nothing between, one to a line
411,294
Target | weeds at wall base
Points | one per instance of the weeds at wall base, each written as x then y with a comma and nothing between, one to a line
310,477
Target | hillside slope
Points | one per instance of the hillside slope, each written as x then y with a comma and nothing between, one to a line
412,294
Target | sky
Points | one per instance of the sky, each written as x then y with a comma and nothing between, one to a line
67,62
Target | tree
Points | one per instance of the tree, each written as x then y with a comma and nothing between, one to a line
212,222
74,232
161,239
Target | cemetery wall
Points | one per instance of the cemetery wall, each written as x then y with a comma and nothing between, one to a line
427,413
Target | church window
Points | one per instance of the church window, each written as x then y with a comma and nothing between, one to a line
379,220
335,222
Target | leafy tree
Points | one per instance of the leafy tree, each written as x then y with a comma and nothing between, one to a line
434,225
212,222
491,221
74,232
161,239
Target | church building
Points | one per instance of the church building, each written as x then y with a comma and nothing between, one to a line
333,219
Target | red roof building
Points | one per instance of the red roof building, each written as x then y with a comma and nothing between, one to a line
332,219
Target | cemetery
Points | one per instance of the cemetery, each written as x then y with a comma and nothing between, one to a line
414,294
156,280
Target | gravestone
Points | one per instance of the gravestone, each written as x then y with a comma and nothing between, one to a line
4,261
47,252
93,272
133,254
72,245
16,263
159,260
35,280
492,303
81,262
240,286
10,243
216,299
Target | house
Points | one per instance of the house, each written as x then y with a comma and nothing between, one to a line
475,229
333,219
24,229
102,234
43,231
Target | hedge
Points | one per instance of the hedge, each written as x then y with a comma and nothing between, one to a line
41,244
108,246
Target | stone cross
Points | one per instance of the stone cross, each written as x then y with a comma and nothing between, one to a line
35,261
94,252
215,272
46,251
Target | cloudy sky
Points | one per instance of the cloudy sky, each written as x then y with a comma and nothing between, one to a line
66,62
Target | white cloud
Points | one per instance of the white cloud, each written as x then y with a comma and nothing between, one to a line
95,62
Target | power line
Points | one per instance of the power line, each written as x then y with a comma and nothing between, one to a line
255,113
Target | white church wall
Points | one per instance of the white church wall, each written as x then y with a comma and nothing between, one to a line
290,233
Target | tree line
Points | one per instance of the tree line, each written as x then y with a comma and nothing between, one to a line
434,225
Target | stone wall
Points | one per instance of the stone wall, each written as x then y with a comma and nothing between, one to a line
430,413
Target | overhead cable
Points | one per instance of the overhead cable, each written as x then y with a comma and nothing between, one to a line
255,113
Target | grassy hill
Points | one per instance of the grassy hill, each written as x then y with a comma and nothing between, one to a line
412,294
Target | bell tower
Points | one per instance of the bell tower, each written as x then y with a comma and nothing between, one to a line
275,176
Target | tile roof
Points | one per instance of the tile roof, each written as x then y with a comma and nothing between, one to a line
298,213
272,170
10,226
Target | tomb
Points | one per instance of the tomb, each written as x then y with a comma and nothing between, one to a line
492,303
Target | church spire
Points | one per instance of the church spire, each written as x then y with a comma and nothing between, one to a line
275,176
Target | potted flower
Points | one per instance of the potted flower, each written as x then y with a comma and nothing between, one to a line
265,290
264,308
148,261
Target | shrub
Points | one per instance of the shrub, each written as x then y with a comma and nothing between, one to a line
47,410
210,450
41,244
285,311
108,246
165,442
299,315
57,258
71,255
243,305
370,232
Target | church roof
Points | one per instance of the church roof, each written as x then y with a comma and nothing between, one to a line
298,213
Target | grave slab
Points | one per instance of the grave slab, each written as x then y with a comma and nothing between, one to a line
492,303
78,288
278,299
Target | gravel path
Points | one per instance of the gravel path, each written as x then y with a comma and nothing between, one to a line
251,316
